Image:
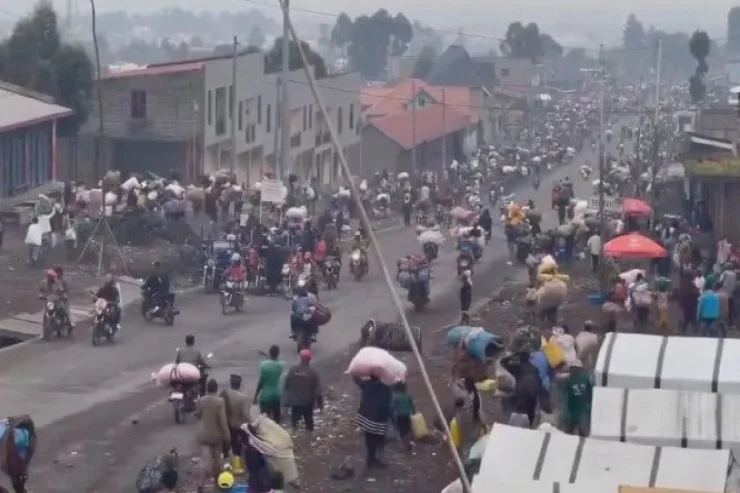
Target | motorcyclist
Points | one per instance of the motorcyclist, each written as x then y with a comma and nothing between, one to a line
190,354
64,299
359,242
51,288
300,316
110,293
236,272
156,287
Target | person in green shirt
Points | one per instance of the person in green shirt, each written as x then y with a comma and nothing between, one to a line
402,407
577,401
268,387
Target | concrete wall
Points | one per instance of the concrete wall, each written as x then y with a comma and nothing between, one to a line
378,152
173,104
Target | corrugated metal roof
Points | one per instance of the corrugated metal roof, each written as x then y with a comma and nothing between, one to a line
174,68
427,125
19,111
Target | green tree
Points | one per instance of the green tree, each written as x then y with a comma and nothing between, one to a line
341,33
374,37
35,57
699,47
424,62
528,42
274,58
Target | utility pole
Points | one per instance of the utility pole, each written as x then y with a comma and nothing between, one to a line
413,126
656,132
444,134
285,104
99,144
602,170
234,106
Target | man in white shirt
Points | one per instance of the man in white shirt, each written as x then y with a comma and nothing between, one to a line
34,239
594,247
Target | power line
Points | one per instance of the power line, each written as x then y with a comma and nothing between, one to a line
446,104
334,15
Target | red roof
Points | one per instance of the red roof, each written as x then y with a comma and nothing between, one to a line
158,69
428,123
389,100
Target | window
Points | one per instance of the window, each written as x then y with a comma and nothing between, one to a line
241,115
138,104
250,133
351,116
310,116
505,72
220,110
421,101
268,122
305,119
210,107
339,120
259,110
231,102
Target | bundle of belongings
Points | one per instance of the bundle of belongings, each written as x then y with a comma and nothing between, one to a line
390,336
475,350
274,444
413,269
17,446
379,363
150,476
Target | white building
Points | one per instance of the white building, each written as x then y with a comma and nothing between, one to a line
177,116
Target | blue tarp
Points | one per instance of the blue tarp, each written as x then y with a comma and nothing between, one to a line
22,438
476,346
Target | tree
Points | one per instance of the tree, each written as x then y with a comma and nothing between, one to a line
550,47
256,37
35,57
341,33
274,58
374,37
424,63
699,46
527,42
733,31
633,41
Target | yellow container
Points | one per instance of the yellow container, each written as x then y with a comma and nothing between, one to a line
419,426
554,353
455,432
237,466
487,385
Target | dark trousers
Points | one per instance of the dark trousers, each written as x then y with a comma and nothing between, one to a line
271,409
235,443
305,413
594,263
374,445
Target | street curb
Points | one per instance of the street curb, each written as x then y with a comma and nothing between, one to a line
26,344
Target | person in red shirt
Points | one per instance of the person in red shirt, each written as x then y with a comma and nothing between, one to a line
236,272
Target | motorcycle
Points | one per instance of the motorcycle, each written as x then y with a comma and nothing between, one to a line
103,326
164,310
431,251
232,295
303,335
55,320
331,272
184,397
418,295
358,264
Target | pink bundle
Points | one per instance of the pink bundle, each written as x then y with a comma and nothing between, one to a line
178,373
379,363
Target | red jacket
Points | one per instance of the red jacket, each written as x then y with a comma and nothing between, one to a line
236,273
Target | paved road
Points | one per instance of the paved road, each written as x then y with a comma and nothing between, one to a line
100,417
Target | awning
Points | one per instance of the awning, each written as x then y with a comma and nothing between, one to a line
635,207
634,245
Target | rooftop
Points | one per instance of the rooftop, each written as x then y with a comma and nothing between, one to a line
391,100
21,110
426,124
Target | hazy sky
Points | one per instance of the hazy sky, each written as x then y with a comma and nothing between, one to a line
592,21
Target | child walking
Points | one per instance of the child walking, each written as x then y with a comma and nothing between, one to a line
403,408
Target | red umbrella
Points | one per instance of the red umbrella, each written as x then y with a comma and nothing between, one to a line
635,207
634,245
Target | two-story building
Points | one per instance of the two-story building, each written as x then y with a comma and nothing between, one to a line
178,116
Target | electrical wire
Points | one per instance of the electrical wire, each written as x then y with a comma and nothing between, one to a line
445,104
334,15
376,247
